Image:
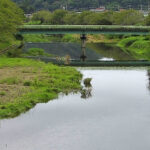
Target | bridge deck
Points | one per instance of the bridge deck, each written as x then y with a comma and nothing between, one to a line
84,29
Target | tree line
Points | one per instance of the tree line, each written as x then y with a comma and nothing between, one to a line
30,6
63,17
10,16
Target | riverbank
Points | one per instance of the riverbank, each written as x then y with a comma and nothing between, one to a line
95,38
137,46
24,83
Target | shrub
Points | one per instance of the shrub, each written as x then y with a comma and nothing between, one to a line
27,83
36,52
10,81
87,82
2,93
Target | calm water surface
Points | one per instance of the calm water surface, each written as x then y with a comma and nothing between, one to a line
115,117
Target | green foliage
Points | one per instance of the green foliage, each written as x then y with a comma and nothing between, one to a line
69,38
10,17
2,93
14,53
43,16
45,86
33,5
27,83
37,52
33,22
62,17
128,17
40,38
58,16
87,82
147,20
10,81
36,38
138,47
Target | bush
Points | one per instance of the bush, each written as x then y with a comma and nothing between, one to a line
36,52
27,83
87,82
2,93
10,81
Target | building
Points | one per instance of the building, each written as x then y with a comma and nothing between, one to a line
100,9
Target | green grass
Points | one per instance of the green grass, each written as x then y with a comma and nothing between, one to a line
37,52
70,38
137,46
36,38
42,86
41,38
2,93
10,81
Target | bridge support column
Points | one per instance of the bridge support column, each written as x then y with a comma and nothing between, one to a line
83,46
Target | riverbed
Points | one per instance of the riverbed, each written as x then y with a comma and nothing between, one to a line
114,115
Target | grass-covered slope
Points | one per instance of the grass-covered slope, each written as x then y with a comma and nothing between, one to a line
137,46
24,83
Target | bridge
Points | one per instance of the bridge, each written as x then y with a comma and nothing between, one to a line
83,30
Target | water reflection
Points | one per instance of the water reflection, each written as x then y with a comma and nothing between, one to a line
116,117
110,51
86,92
148,74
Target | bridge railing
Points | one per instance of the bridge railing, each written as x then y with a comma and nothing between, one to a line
84,29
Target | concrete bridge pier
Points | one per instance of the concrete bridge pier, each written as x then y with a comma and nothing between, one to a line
83,38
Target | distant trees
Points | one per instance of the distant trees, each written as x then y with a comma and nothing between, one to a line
126,17
147,20
30,6
10,17
43,16
58,16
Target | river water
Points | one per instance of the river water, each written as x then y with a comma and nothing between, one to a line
114,116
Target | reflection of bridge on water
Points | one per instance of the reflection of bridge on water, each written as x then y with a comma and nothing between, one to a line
83,30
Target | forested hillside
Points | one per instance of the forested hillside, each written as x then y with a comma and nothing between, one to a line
34,5
10,17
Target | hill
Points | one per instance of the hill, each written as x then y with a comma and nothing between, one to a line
34,5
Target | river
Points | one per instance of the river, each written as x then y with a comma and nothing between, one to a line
114,116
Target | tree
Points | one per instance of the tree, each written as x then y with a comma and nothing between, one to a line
44,16
147,20
35,5
10,17
58,16
70,18
128,17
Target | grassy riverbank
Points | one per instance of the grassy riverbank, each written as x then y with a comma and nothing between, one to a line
24,83
137,46
41,38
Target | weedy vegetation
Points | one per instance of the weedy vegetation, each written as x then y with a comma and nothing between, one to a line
25,82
